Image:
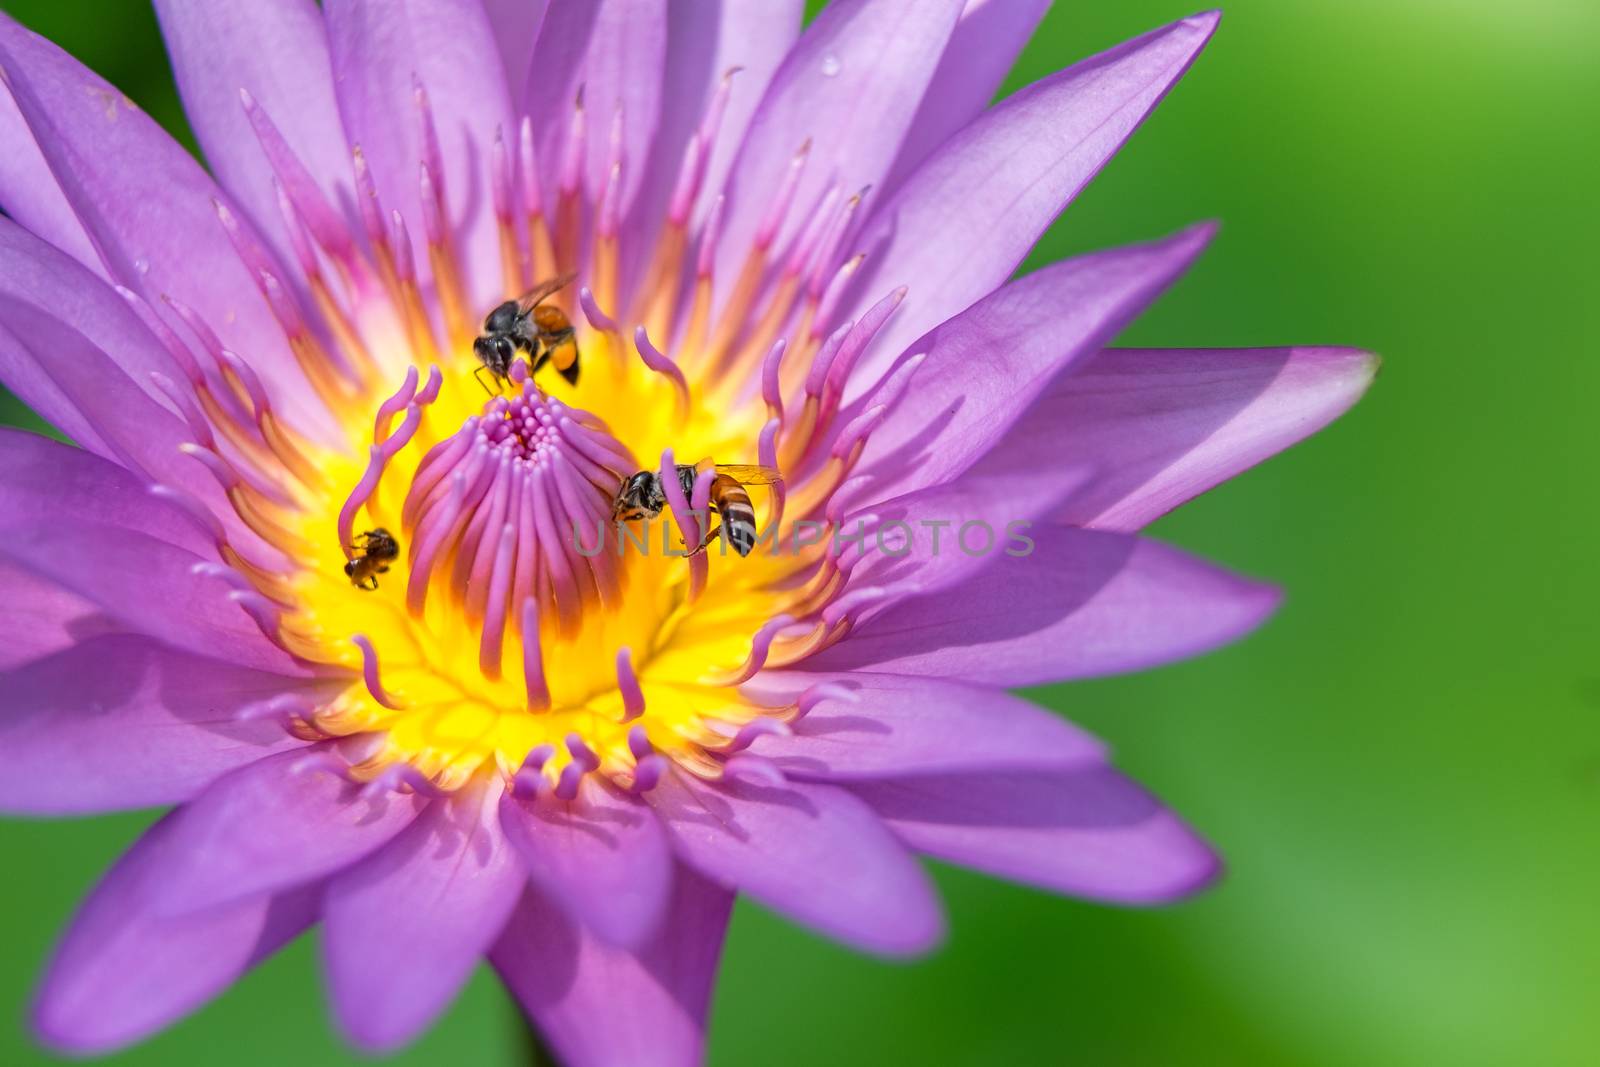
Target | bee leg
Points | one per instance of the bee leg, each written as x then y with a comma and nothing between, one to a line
370,578
478,374
716,532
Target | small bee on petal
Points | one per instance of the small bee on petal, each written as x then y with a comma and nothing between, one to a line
641,496
375,550
528,325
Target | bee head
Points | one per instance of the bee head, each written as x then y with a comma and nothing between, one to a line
494,352
638,498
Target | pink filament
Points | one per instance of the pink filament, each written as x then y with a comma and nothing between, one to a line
628,686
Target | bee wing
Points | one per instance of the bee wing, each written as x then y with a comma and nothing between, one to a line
535,296
750,475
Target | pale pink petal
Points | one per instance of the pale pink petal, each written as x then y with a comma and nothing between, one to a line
1077,604
403,928
121,722
982,49
849,88
277,51
986,366
885,725
812,852
966,218
603,856
277,823
124,971
382,49
1089,832
134,188
1164,425
600,1006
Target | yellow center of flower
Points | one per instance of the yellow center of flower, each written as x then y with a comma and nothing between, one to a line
450,566
448,705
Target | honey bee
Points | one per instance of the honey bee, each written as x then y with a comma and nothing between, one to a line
528,325
641,496
375,550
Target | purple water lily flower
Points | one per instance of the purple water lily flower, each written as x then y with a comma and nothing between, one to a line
345,592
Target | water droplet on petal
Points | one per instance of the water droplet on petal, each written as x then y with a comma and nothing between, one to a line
142,265
830,65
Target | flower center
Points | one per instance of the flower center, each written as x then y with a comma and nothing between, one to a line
452,567
504,618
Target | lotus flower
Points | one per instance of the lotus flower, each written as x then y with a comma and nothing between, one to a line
791,250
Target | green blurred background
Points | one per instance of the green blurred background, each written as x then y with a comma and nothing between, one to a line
1403,768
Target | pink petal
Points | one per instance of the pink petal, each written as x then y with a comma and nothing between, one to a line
381,49
121,722
850,86
71,383
812,852
603,857
280,822
146,585
1089,832
622,70
133,187
966,218
278,53
705,40
41,618
892,726
986,41
600,1006
73,350
404,927
986,366
30,192
933,538
515,25
1079,604
123,971
46,479
1164,425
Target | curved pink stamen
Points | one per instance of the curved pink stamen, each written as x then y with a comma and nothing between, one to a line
824,691
628,686
370,674
529,779
664,366
756,728
494,623
533,659
394,404
757,770
771,377
688,526
591,311
840,609
760,648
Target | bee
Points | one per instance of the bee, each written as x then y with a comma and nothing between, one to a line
375,550
528,325
641,496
